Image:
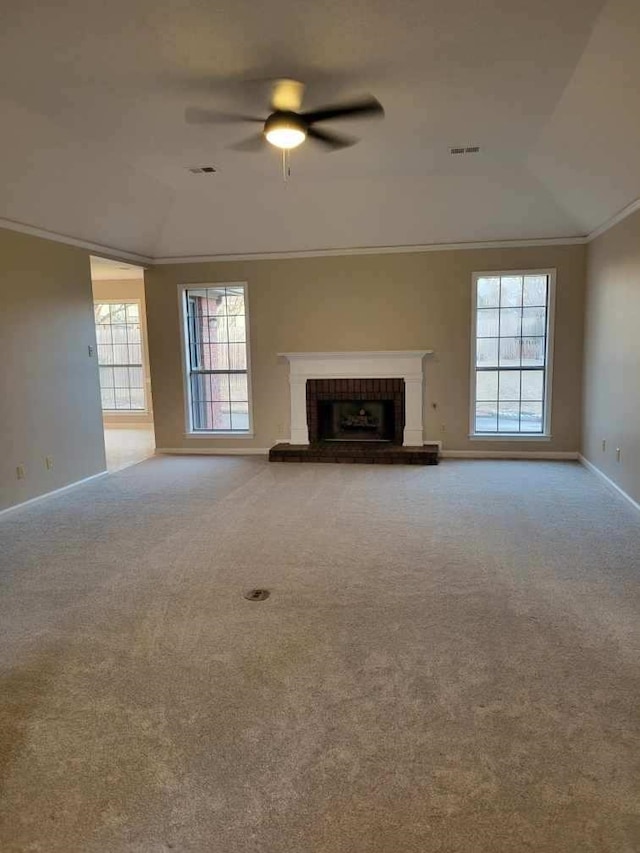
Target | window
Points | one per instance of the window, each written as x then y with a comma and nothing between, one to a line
120,356
215,325
511,361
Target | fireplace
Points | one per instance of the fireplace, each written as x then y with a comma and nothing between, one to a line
370,410
363,407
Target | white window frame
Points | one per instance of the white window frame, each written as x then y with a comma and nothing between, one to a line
545,435
129,413
184,339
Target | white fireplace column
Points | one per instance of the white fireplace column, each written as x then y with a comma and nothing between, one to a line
407,365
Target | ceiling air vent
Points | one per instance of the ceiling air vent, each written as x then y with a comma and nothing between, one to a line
201,170
470,149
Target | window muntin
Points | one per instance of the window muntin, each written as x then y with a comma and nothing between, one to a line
119,340
512,313
216,358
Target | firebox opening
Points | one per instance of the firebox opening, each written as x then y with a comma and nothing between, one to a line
356,420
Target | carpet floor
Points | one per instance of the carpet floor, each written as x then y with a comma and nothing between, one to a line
449,661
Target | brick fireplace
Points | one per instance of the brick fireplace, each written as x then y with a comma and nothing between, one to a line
367,410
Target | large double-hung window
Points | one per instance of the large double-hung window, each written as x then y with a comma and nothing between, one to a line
512,331
216,358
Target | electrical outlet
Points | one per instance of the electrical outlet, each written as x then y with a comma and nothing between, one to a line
20,472
604,444
90,351
617,454
48,461
443,427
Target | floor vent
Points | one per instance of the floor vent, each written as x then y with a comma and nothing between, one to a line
257,594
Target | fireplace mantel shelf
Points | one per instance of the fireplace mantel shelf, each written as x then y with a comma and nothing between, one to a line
380,364
419,353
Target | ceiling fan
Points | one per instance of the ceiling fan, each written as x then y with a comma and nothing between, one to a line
286,127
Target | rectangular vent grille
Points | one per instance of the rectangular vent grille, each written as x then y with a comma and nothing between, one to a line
201,170
470,149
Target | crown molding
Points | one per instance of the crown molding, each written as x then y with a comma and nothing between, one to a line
614,220
116,254
369,250
96,248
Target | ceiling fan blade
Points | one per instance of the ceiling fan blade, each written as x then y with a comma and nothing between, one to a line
252,143
369,106
286,95
195,115
333,141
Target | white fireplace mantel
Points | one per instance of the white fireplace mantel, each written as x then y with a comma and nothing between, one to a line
403,364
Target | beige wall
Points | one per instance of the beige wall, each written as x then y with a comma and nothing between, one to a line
49,398
612,354
367,302
128,289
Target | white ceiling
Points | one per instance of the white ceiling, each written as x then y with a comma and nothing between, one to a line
95,145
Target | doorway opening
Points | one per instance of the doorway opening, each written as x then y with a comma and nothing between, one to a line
123,361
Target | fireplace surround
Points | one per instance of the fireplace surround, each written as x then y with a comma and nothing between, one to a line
388,366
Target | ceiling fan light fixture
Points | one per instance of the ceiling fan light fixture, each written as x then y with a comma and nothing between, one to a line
285,131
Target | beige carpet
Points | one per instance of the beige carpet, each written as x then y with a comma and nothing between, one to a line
449,661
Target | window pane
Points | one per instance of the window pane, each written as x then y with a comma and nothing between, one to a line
486,417
487,326
216,357
108,398
221,416
137,398
236,327
511,291
135,377
237,357
133,333
118,313
488,292
535,290
238,387
102,312
105,355
215,304
531,417
533,352
120,354
509,417
120,377
509,385
486,385
214,330
510,322
532,384
103,334
534,321
487,352
123,401
510,352
132,312
239,416
235,300
106,377
134,354
217,387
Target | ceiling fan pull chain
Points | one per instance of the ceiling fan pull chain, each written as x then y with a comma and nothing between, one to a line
286,169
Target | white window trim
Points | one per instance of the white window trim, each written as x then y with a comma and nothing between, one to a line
545,435
208,434
129,414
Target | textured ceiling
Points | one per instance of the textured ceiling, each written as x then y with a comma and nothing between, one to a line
95,145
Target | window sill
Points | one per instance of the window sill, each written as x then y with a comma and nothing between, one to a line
508,436
219,434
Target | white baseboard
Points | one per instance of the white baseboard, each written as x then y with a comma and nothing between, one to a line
52,494
212,451
609,482
511,454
